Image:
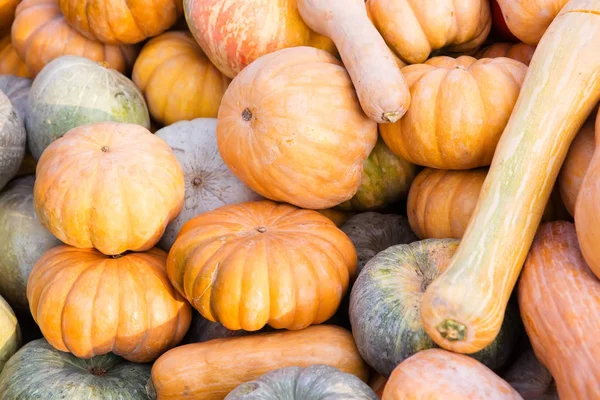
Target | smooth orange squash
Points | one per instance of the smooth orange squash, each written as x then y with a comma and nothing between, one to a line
464,308
89,304
576,164
256,263
458,111
381,89
10,62
529,19
440,374
517,51
210,370
177,79
560,303
40,34
415,29
235,33
290,128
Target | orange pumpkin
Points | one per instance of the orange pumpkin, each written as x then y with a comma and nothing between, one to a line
89,304
7,14
121,22
112,186
458,112
256,263
177,80
559,303
576,164
40,34
10,62
232,36
415,29
290,127
517,51
437,373
529,19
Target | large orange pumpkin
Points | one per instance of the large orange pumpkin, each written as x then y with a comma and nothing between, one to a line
291,128
235,33
458,112
256,263
121,22
112,186
517,51
40,34
178,81
10,62
90,304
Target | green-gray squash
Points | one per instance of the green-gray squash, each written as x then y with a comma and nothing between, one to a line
316,382
385,306
17,90
10,333
72,91
23,240
12,141
209,183
38,371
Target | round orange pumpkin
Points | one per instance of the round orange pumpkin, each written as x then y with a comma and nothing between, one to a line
291,128
89,304
177,79
235,33
517,51
40,34
256,263
121,22
458,112
10,62
107,185
415,29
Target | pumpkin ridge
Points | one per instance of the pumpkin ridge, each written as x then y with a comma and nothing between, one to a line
37,30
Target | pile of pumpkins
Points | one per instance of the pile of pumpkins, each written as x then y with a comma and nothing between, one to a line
299,199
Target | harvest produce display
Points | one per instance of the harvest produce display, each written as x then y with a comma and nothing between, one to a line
299,199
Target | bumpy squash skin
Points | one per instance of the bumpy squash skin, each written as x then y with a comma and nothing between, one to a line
429,373
530,378
12,140
10,62
576,164
385,306
23,241
38,371
316,382
10,335
73,91
464,308
559,303
205,371
517,51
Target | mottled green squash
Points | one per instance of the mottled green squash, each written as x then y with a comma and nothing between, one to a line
23,240
10,334
316,382
72,91
385,306
38,371
12,140
386,179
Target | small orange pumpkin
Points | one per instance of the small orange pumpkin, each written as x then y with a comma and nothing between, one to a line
40,34
517,51
10,62
178,81
89,304
256,263
458,112
112,186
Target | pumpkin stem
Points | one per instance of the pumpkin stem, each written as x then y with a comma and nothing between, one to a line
105,149
247,114
452,330
97,371
391,116
197,181
261,229
115,256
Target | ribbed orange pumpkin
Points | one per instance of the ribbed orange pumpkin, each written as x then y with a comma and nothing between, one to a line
178,81
10,62
110,186
121,22
517,51
89,304
458,112
7,14
291,128
256,263
529,19
40,34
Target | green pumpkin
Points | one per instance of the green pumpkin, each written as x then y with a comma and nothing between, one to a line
316,382
10,334
386,179
385,306
12,140
38,371
17,90
72,91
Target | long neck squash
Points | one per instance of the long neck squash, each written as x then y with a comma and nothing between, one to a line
464,308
